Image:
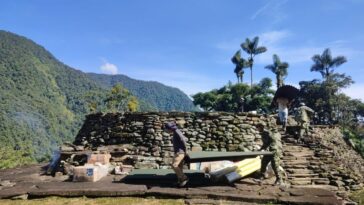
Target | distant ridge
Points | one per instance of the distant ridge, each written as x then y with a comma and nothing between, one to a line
42,100
162,97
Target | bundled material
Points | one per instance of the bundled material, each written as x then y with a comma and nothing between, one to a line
237,170
244,168
90,172
208,167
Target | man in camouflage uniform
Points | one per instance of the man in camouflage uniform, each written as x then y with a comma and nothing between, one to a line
272,142
303,119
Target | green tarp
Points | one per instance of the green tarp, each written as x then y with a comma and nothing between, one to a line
164,177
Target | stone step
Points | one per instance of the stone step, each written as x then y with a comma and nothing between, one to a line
293,158
301,182
321,181
311,178
290,176
295,166
299,171
288,158
299,154
287,144
296,162
295,148
327,187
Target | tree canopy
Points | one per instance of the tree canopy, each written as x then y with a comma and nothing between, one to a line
252,49
231,97
279,69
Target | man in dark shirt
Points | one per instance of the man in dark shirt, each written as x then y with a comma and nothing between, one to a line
180,151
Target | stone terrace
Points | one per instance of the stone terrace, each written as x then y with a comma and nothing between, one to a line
323,161
30,182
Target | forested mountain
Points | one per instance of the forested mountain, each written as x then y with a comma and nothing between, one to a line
43,101
154,93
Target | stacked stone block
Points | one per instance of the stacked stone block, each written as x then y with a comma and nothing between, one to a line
151,146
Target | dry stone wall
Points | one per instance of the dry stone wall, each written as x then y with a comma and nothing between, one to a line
143,136
336,160
323,160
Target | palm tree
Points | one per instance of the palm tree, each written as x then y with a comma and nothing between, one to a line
325,64
251,47
240,64
279,69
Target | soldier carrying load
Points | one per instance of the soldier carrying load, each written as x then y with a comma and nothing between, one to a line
271,141
303,114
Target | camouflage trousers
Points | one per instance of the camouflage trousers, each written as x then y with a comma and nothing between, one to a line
275,162
304,127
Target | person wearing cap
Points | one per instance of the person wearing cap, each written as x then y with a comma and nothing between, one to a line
180,152
271,142
303,119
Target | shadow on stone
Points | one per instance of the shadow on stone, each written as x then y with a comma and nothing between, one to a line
167,178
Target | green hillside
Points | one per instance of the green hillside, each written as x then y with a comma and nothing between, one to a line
43,101
41,98
162,97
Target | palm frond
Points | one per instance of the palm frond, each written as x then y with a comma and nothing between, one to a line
255,43
260,50
317,67
317,59
245,47
276,59
271,68
326,57
284,65
236,58
237,69
283,71
338,61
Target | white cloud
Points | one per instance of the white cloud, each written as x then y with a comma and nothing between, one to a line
290,54
267,39
272,10
109,68
273,37
355,91
260,10
275,42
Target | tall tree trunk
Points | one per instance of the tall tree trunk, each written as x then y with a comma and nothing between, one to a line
251,76
279,81
251,70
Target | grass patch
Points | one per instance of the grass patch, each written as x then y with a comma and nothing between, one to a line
358,196
92,201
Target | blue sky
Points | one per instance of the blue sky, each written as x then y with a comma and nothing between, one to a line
188,44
